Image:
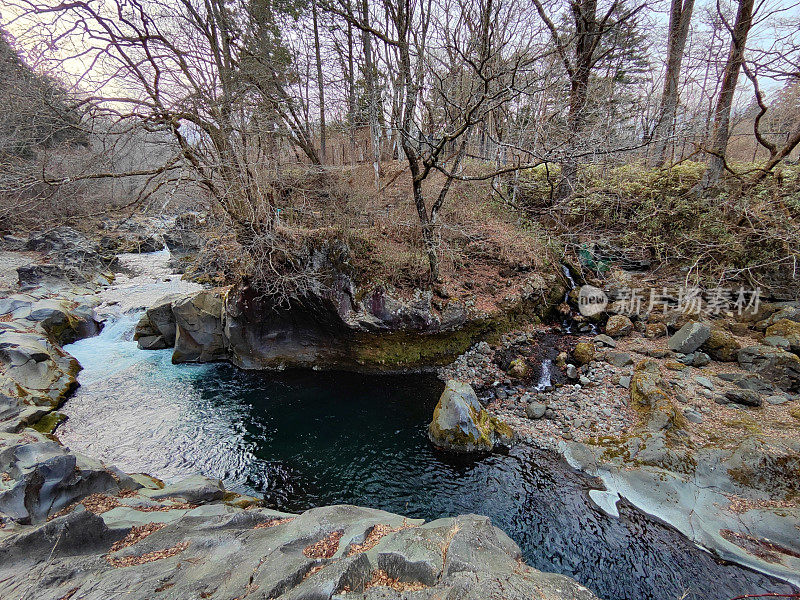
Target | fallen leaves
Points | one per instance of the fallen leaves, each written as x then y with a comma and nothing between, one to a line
273,523
381,578
376,534
326,547
130,561
136,535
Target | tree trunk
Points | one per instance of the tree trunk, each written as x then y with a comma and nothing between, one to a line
320,85
369,79
586,32
351,91
679,20
722,114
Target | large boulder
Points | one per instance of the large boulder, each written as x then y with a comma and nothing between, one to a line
199,334
774,365
35,370
461,424
788,329
651,397
618,326
721,345
583,353
156,328
689,337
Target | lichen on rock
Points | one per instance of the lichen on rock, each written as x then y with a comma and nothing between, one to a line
461,424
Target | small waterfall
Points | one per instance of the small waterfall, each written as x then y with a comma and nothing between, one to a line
545,378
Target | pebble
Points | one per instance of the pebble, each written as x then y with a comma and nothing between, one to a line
693,416
705,382
777,399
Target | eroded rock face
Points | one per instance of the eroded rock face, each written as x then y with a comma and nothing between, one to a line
156,328
71,258
324,553
461,424
33,369
199,327
43,477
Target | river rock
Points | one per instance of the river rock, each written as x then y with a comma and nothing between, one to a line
461,424
583,353
774,365
195,490
618,326
721,345
618,359
605,340
535,410
650,396
744,397
689,337
789,330
519,368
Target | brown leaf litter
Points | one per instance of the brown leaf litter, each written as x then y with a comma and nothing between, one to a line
324,548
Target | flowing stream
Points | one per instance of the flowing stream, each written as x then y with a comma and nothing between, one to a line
307,438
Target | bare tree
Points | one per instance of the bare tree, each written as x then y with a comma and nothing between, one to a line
680,18
580,53
718,143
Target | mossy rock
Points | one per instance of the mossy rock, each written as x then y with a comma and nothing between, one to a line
583,353
49,422
788,329
461,424
721,345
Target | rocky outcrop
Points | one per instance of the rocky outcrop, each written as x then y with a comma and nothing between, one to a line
774,365
71,258
199,330
156,328
330,552
86,529
461,424
42,477
333,327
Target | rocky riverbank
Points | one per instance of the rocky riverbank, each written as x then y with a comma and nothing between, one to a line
73,527
690,418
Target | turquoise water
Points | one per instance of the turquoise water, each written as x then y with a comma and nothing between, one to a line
305,438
